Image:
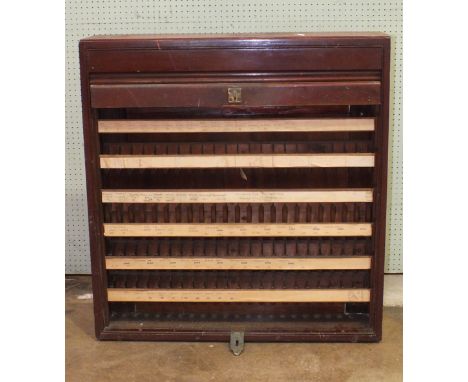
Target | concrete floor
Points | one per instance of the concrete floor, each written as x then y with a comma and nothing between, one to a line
88,360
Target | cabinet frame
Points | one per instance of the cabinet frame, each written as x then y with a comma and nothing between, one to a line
370,52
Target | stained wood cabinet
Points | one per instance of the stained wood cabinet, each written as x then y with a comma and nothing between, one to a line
237,183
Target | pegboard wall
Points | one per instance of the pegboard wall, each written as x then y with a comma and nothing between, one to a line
89,17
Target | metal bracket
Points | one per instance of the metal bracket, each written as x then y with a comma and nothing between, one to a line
237,343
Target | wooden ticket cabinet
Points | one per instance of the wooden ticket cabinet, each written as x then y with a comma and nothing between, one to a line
237,184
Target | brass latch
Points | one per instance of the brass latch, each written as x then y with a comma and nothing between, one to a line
234,95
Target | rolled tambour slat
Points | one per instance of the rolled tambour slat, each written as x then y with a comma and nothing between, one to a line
239,263
235,126
237,196
236,229
243,295
238,161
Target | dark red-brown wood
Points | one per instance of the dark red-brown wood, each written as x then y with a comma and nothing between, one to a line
234,60
253,95
187,76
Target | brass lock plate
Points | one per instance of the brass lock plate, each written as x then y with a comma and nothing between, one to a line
234,95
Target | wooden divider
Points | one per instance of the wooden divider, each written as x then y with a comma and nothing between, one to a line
235,125
236,161
238,196
238,263
236,229
243,295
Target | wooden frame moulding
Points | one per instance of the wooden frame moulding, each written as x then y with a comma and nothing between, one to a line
236,229
235,125
238,196
236,161
242,295
237,263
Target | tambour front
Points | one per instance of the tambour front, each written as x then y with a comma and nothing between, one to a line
237,183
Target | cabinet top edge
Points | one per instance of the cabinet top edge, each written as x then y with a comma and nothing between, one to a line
238,39
216,36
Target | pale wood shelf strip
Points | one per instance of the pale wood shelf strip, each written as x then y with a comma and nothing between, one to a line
236,229
235,126
223,295
237,196
237,263
237,161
